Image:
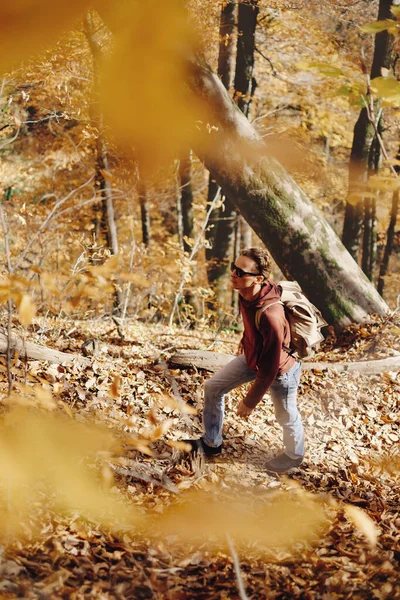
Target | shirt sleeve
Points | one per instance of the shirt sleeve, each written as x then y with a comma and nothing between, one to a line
272,331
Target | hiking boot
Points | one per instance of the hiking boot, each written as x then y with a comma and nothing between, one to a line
200,446
283,463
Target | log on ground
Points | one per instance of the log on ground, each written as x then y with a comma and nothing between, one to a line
39,352
212,361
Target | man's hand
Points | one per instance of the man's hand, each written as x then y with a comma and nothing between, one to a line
240,349
243,410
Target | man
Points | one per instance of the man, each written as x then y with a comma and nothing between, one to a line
261,359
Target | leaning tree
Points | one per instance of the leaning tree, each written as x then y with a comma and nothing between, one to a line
301,242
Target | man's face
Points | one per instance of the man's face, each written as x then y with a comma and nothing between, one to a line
246,281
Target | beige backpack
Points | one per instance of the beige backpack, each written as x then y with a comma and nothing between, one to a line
305,320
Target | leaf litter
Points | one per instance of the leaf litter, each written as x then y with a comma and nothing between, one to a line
328,530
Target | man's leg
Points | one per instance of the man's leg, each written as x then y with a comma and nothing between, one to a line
235,373
284,394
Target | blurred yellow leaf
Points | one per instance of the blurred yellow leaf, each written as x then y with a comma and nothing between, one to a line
26,310
377,26
382,183
115,386
44,398
178,445
28,26
363,522
355,198
144,95
388,89
326,69
45,451
277,521
171,402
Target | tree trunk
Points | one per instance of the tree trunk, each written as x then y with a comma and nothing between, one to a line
144,213
226,42
303,245
244,81
179,217
369,239
219,233
186,202
363,143
389,242
226,220
102,182
185,176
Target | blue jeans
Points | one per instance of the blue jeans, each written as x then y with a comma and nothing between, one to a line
283,393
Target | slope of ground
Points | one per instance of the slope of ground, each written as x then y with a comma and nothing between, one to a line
352,460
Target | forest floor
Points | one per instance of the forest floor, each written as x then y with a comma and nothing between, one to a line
352,460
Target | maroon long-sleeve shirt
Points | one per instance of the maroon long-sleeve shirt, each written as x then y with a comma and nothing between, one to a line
263,348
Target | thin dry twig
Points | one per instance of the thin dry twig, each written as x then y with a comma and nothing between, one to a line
9,303
49,218
236,565
195,248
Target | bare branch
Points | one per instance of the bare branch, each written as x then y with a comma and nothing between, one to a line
9,303
236,565
49,218
193,253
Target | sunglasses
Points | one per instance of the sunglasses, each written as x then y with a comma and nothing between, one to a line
240,273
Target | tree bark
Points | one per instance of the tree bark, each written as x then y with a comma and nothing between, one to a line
185,176
226,42
389,241
213,361
245,83
360,157
303,245
244,80
219,234
39,352
144,212
186,204
108,225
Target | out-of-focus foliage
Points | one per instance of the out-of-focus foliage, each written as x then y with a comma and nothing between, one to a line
46,460
27,26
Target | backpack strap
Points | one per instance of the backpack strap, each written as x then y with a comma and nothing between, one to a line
257,318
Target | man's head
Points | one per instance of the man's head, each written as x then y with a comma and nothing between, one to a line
261,258
250,270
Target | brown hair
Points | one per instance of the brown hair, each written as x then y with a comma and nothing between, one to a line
262,258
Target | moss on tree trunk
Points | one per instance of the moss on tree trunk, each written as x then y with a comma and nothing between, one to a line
302,243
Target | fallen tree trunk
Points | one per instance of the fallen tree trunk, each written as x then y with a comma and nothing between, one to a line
212,361
302,243
38,352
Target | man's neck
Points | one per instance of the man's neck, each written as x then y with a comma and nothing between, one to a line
251,293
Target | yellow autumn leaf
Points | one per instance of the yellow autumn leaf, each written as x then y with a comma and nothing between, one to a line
382,183
170,402
29,26
115,386
179,445
26,310
47,459
280,520
388,89
44,398
395,10
144,97
326,69
377,26
363,523
355,198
